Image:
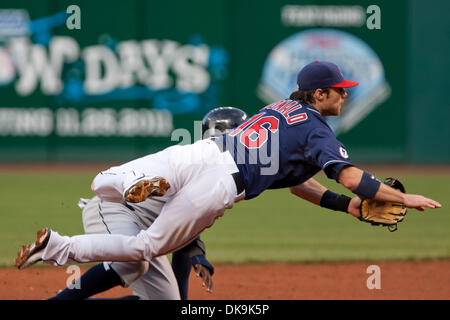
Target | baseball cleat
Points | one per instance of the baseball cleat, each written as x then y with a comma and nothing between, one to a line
146,187
32,253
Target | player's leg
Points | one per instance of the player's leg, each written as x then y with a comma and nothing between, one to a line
154,280
156,284
183,218
159,283
196,207
104,217
182,265
147,212
98,278
207,190
114,218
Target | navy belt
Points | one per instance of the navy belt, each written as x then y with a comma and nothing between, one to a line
237,175
238,181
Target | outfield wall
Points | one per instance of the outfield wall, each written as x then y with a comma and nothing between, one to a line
135,71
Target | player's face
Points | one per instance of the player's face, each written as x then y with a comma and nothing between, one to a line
333,102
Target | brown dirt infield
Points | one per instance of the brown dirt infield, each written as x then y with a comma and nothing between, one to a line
425,280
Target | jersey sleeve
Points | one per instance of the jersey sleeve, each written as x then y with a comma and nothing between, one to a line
326,152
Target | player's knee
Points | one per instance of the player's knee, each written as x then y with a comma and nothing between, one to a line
130,271
140,268
95,184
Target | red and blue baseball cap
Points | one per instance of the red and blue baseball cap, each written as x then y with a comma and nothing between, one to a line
322,74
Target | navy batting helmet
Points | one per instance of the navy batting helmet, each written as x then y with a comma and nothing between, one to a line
221,120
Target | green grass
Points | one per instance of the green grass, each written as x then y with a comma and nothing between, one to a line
33,201
276,226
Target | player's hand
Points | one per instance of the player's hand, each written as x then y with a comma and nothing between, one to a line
204,273
353,207
419,202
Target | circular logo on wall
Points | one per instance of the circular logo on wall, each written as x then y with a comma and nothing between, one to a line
354,57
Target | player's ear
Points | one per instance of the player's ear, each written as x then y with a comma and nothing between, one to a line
319,94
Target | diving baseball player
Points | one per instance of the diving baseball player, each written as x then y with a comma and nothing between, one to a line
154,279
282,146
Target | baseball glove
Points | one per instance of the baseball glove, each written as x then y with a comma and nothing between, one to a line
383,213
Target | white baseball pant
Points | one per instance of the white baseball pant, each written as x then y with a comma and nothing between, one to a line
202,188
149,280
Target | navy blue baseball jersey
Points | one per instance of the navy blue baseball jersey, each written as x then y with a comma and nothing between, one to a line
284,145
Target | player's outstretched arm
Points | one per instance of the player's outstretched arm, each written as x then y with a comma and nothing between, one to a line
314,192
310,190
366,185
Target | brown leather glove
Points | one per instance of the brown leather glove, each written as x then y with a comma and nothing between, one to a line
382,212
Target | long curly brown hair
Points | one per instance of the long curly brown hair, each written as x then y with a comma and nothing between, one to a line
305,96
